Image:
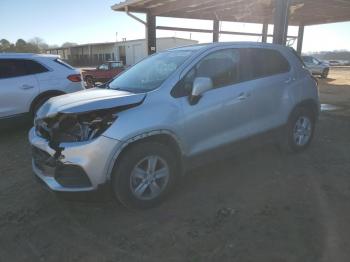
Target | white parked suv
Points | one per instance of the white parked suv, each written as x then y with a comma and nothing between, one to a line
29,80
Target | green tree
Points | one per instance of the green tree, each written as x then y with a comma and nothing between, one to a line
4,44
34,45
39,43
21,46
24,47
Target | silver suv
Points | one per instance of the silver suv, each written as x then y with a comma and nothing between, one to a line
171,112
316,67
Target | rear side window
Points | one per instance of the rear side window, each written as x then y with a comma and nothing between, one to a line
34,67
61,62
19,67
12,68
266,62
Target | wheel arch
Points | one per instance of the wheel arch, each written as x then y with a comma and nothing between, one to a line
309,104
164,137
49,93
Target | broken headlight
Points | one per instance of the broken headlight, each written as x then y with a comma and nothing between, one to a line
75,127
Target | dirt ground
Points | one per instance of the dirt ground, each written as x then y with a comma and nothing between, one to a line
259,206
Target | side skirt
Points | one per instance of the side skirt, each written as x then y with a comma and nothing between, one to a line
13,121
229,150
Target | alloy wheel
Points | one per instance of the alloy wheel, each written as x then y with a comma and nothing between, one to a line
149,177
302,131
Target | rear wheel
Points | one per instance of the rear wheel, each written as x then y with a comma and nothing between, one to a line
39,103
300,131
144,175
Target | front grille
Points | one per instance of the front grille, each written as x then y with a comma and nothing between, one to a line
72,176
66,175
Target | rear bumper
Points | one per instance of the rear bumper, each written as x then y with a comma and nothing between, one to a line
82,166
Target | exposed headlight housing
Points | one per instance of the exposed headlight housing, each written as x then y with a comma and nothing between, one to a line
74,127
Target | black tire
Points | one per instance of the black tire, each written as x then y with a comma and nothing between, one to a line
122,174
38,104
90,82
324,74
288,142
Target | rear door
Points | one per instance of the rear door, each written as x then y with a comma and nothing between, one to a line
270,76
18,87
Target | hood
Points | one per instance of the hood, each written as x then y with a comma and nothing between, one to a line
89,100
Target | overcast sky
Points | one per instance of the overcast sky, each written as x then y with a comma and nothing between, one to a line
89,21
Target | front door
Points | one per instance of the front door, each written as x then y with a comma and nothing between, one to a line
222,114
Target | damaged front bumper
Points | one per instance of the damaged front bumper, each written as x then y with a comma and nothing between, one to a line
81,166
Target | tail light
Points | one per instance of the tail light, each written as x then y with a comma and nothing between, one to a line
75,78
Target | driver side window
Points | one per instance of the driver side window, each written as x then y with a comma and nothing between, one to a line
220,66
103,67
315,61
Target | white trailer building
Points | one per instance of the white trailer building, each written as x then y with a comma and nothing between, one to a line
130,52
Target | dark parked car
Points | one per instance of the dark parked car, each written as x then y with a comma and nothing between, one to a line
103,73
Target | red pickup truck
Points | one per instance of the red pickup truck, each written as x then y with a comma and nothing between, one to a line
102,73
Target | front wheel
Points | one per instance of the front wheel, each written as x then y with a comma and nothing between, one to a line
144,175
299,131
324,74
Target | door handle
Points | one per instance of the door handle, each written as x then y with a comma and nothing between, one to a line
289,80
240,98
243,96
25,87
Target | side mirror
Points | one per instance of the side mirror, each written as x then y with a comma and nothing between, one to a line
200,86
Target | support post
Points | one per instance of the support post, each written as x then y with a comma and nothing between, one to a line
264,32
90,55
300,39
151,34
281,18
216,31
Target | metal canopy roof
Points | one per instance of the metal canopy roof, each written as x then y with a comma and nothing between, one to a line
306,12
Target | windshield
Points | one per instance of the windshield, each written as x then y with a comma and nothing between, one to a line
150,73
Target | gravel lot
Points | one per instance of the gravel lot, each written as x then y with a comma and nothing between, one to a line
259,206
